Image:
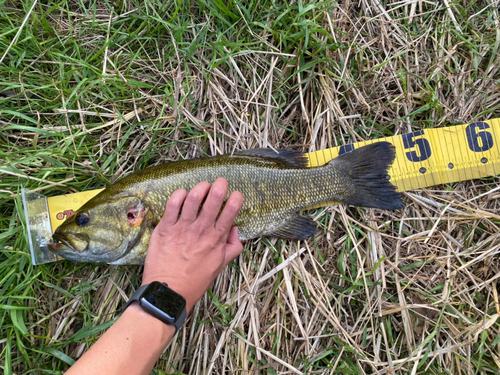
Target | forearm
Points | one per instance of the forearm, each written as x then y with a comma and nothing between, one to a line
131,346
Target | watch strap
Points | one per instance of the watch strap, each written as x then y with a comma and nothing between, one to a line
136,297
179,322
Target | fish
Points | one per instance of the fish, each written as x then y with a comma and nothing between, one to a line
116,225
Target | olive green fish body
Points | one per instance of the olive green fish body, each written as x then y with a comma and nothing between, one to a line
274,187
271,194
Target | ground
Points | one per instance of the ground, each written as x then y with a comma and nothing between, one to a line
93,90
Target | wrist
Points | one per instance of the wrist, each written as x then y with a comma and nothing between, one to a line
162,302
143,319
178,286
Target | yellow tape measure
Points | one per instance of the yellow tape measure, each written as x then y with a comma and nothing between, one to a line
63,206
435,156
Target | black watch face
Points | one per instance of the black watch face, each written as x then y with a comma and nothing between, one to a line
165,299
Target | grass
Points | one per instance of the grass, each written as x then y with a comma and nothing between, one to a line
93,90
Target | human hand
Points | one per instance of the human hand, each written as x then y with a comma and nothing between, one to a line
189,251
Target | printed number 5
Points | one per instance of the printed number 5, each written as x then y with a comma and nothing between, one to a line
424,148
473,137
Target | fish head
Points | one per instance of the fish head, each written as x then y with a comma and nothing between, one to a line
102,231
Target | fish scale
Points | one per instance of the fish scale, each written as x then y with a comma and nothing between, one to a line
266,205
275,188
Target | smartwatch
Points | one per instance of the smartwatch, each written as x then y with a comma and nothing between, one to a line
162,302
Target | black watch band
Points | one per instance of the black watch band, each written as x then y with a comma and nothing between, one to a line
157,309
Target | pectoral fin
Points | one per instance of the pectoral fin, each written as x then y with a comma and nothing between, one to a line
299,228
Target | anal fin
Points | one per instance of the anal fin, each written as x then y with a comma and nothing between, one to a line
299,228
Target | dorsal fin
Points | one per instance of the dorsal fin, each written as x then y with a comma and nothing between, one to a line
293,159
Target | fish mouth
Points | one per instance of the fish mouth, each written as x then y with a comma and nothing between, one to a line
62,243
59,240
65,245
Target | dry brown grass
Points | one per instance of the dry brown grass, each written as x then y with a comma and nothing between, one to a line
411,291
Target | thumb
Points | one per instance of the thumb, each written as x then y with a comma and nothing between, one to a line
233,246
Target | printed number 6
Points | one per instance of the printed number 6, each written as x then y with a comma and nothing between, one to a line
423,145
473,137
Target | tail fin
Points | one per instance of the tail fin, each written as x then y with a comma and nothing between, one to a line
368,168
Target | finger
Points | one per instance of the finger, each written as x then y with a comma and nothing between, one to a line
173,208
229,212
212,205
234,247
193,201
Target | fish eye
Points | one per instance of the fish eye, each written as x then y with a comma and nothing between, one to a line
82,219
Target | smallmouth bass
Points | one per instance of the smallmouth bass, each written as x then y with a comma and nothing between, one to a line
115,226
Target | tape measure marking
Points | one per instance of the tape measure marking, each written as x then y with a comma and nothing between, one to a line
432,157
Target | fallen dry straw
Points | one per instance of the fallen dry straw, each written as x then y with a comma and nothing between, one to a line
411,291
